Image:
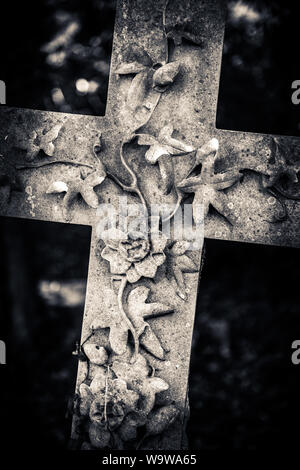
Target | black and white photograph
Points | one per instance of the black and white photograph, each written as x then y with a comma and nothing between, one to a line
149,231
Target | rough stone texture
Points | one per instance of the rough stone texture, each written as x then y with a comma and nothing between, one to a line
189,104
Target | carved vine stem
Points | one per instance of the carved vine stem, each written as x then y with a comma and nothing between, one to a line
126,319
178,203
134,186
64,162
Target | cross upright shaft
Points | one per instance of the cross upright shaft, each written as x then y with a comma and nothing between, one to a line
159,125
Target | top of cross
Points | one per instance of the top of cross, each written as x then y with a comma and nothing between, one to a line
158,43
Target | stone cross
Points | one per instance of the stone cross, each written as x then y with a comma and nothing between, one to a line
158,143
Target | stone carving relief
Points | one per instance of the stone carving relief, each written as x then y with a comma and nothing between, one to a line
117,405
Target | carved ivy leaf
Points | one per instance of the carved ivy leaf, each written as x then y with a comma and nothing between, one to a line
115,393
118,331
136,61
139,311
9,181
164,144
149,77
39,140
131,68
138,90
208,186
80,186
178,263
161,150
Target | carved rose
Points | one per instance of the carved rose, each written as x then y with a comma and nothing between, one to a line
109,408
121,399
106,402
135,257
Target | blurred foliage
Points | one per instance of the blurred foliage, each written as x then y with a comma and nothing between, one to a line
258,67
56,54
40,334
244,388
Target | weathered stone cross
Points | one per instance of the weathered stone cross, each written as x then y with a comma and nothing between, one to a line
159,126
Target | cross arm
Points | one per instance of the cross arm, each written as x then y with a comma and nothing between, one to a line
263,203
45,159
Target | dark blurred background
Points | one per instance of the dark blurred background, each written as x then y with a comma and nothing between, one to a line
243,387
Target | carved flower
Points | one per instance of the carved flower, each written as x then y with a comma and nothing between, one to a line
178,32
135,257
120,399
149,80
138,378
113,403
83,186
164,144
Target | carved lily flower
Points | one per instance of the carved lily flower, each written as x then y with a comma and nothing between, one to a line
178,263
80,186
139,311
39,140
164,144
135,257
161,150
208,186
